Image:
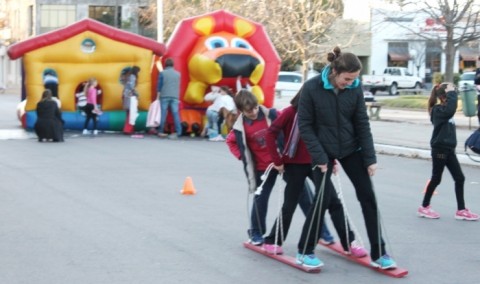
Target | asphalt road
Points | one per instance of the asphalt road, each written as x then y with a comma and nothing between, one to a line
109,210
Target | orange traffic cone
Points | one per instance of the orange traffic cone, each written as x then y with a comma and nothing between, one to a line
188,187
425,188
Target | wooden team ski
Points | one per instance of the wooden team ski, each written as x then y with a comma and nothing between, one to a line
290,260
365,261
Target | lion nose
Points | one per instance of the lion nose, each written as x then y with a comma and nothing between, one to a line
234,65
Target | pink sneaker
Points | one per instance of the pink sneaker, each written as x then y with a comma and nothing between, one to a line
272,249
427,212
465,214
356,250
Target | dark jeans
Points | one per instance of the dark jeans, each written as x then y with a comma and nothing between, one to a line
90,116
442,158
260,203
358,175
297,191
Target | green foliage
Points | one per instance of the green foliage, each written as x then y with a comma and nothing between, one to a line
456,78
419,102
437,78
412,102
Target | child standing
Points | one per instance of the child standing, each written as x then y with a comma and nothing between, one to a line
443,143
246,141
91,109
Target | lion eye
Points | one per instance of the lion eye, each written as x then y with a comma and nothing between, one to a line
241,43
216,42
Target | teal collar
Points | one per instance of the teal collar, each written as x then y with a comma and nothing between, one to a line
328,85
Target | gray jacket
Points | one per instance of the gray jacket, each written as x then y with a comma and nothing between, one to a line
169,83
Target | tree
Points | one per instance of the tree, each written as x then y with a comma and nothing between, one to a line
297,28
459,19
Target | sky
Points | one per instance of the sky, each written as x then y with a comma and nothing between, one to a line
360,9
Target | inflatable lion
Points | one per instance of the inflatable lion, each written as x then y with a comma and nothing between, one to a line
216,49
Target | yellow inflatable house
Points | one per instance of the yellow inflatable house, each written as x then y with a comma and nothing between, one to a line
81,51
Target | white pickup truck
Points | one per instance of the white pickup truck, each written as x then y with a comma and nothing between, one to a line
392,79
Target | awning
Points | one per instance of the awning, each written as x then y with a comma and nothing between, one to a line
468,54
398,54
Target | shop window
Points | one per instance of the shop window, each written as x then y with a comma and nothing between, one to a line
468,57
398,54
53,17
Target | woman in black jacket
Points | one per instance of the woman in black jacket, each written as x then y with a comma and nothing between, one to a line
334,124
49,124
443,143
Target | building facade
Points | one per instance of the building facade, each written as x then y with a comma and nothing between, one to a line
23,19
416,41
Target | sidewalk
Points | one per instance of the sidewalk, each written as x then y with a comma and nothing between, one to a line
398,132
407,133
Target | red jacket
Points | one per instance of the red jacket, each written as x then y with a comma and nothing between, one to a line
284,123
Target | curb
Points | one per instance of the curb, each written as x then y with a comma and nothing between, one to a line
418,154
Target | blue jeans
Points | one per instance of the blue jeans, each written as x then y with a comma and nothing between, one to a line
172,104
212,125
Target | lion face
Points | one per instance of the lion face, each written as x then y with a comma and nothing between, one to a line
224,55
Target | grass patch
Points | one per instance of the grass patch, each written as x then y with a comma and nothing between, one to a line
412,102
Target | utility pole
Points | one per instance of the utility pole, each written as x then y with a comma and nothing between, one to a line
115,17
160,21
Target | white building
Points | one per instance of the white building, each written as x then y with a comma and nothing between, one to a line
416,41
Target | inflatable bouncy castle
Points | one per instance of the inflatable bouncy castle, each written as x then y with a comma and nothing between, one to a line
83,50
216,49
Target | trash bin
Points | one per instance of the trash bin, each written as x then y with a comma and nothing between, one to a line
469,95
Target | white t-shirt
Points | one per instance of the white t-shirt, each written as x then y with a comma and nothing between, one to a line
219,101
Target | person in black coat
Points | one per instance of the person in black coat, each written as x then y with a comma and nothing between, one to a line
49,124
333,123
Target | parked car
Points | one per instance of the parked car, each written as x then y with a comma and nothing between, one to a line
392,79
289,83
467,78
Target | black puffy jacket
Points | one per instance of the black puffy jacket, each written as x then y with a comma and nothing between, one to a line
444,133
333,126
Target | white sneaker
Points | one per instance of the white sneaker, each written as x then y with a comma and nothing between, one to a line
95,132
218,138
85,132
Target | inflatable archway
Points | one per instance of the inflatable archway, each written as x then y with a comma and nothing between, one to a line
215,49
75,53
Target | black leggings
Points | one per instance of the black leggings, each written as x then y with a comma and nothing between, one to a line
297,191
442,158
358,175
90,115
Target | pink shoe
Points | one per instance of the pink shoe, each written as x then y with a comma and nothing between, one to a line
427,212
465,214
272,249
356,250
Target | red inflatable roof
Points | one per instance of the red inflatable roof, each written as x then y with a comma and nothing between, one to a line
19,49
